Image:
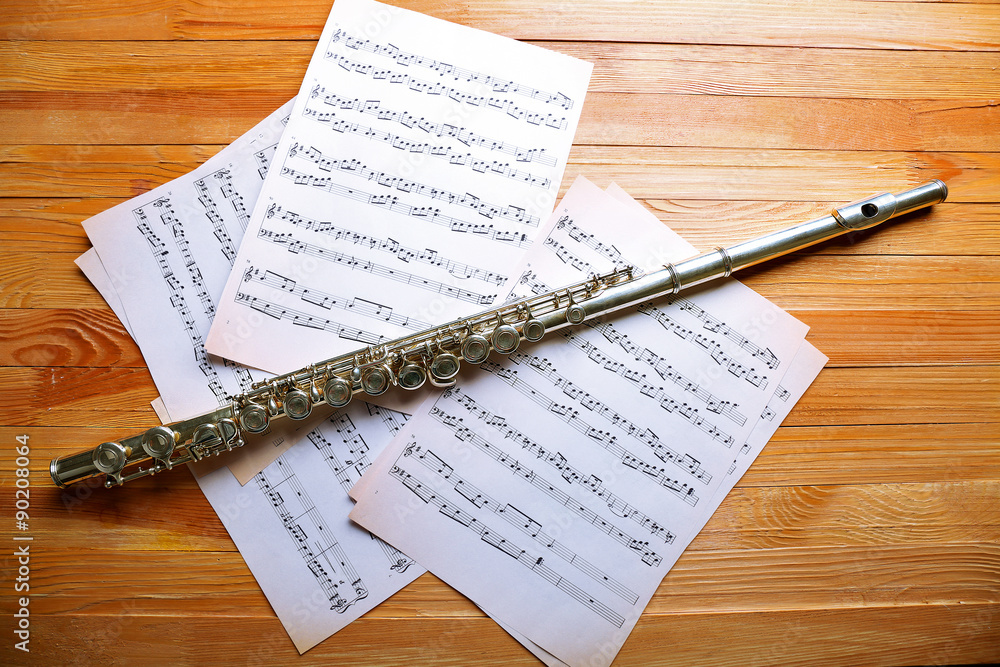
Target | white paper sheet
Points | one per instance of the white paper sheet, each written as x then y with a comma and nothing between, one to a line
806,365
419,161
90,263
165,256
318,570
174,247
560,485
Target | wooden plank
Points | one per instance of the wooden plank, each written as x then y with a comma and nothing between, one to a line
108,396
905,337
76,19
821,577
850,24
48,171
629,67
712,120
619,67
169,117
804,281
40,171
892,635
47,225
95,171
749,579
796,455
817,282
860,517
877,454
840,396
947,229
45,280
169,513
781,174
144,65
65,337
866,635
185,116
894,395
56,337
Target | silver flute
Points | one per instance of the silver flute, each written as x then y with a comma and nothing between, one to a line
435,355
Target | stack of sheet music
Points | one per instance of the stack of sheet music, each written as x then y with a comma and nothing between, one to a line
412,182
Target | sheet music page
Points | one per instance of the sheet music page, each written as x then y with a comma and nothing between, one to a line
806,365
420,160
318,570
165,257
91,265
560,484
801,373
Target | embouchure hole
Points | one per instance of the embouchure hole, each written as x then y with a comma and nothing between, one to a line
869,210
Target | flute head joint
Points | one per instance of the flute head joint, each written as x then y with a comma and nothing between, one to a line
866,213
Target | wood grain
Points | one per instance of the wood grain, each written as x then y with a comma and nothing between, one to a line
836,23
867,531
619,67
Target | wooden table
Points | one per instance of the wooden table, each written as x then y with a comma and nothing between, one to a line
866,533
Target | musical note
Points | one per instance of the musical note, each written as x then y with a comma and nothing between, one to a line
496,540
293,245
317,546
658,394
349,470
644,435
572,417
589,240
530,527
393,420
432,215
354,167
463,135
568,473
330,301
301,318
179,303
567,257
440,151
717,326
403,253
215,218
666,371
498,85
439,89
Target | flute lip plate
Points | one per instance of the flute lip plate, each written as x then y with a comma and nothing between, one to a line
866,212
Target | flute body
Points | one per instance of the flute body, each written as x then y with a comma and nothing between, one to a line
434,356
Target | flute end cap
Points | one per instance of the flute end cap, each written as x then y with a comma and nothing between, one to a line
941,185
54,473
